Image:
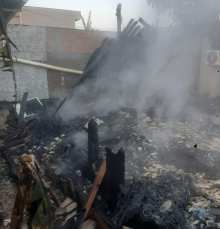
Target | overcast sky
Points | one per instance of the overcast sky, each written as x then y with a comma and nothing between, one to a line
103,11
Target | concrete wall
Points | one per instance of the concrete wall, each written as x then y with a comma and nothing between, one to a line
31,42
68,48
46,17
209,79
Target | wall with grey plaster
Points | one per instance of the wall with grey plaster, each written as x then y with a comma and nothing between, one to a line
31,42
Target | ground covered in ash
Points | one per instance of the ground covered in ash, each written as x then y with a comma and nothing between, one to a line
156,147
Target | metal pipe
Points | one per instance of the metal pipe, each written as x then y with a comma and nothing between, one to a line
47,66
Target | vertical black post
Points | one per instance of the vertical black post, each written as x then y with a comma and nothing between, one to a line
115,175
121,166
119,19
93,142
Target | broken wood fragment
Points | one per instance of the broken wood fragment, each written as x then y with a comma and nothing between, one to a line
93,191
89,224
22,109
127,26
66,202
81,198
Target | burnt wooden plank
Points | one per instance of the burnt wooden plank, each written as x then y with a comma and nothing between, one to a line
114,177
131,28
12,135
22,110
143,22
93,191
128,26
136,29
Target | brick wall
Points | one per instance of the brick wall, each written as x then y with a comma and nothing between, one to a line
69,48
74,40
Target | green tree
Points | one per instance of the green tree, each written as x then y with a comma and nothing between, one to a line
189,12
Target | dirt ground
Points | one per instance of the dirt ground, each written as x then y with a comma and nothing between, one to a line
7,199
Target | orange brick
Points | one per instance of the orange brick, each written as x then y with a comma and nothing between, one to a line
70,31
50,48
74,49
80,49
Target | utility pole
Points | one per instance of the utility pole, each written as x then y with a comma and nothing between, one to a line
83,21
88,25
119,19
89,21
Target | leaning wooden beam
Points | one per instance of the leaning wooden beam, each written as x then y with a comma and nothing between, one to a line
22,109
143,22
92,194
127,26
84,75
114,177
130,29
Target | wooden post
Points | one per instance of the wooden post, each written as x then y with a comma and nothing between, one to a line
22,109
119,19
115,176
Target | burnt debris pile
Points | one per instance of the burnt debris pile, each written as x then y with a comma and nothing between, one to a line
162,199
125,167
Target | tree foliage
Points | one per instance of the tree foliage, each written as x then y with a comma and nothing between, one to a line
189,12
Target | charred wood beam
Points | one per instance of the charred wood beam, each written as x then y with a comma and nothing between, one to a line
127,26
12,135
119,19
143,22
114,177
85,74
93,142
22,110
96,53
110,46
102,222
131,28
136,29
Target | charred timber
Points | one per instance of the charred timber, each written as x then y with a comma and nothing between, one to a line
114,177
93,142
119,19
